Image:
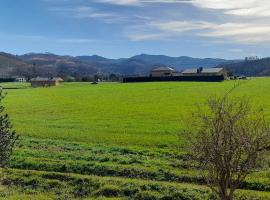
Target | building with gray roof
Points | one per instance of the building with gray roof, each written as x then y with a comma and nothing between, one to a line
205,72
162,71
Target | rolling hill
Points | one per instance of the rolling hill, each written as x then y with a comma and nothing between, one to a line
182,62
47,64
11,65
51,64
259,67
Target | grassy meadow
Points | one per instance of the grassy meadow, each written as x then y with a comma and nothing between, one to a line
115,141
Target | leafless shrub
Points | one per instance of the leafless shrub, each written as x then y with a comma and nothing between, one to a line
230,140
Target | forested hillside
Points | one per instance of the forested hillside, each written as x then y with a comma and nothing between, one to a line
47,64
259,67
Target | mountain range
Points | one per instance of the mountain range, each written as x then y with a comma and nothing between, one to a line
48,64
44,64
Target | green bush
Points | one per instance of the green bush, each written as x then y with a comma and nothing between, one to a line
53,184
130,189
84,187
108,191
147,195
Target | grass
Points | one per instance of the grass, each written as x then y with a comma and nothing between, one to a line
117,130
143,114
75,186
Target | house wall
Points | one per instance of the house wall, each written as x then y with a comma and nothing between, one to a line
44,83
56,83
161,73
174,78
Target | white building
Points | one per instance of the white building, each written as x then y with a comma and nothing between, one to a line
20,79
162,72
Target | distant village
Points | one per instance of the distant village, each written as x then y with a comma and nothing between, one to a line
161,73
37,81
168,71
165,73
47,70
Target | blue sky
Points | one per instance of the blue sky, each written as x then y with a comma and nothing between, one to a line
123,28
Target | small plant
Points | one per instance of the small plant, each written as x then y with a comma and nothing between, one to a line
109,191
8,136
147,195
130,189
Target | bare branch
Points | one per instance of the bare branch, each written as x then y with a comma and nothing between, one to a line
231,138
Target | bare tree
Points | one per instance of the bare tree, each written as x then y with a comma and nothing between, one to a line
231,138
8,136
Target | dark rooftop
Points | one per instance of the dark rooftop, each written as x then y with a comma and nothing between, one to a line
203,70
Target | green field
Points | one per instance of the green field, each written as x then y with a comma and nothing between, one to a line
115,140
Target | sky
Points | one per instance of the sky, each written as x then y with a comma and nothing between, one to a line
122,28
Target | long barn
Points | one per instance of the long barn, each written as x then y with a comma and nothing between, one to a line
169,74
205,72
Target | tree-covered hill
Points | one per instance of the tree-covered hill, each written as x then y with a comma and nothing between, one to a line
259,67
47,64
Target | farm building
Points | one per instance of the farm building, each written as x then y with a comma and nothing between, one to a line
205,72
162,72
45,82
169,74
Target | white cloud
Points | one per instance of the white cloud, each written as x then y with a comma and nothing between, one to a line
181,26
145,36
74,40
250,12
164,30
251,8
236,50
245,33
238,21
139,2
233,21
40,38
224,4
241,33
121,2
87,12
